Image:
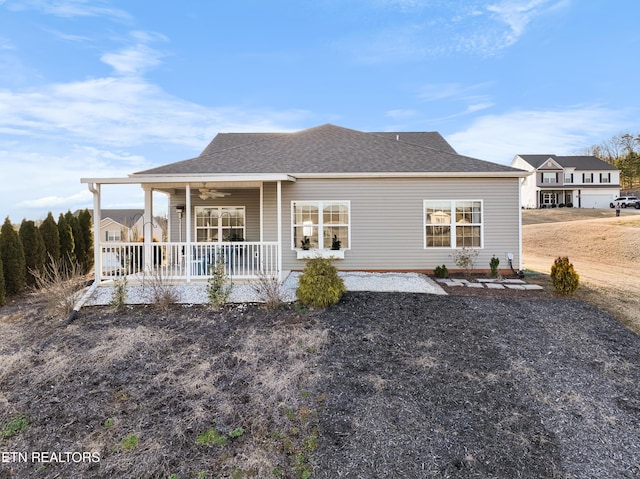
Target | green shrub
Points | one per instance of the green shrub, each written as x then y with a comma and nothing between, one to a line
493,264
34,253
441,271
67,243
119,295
13,262
51,237
218,285
2,291
563,277
319,284
84,219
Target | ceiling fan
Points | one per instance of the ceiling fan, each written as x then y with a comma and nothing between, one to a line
211,193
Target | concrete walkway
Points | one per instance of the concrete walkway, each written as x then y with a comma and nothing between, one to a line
490,283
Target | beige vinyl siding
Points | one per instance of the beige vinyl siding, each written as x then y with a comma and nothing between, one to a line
387,219
247,197
270,212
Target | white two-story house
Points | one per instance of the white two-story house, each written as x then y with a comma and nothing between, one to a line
575,181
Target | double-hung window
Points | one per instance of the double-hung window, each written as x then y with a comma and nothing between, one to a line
321,224
113,236
453,223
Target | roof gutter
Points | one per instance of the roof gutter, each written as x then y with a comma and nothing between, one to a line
192,178
420,174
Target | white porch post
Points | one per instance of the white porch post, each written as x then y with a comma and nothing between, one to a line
262,212
279,203
147,229
97,252
187,250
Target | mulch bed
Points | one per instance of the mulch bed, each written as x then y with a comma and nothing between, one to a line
381,385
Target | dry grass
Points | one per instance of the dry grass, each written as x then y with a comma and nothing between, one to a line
604,249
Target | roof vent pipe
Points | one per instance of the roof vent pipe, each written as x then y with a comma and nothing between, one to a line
397,137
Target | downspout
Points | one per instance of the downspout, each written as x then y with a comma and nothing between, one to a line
519,225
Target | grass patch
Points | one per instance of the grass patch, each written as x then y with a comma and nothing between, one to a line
130,442
15,426
211,436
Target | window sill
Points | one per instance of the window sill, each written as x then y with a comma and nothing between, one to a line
320,253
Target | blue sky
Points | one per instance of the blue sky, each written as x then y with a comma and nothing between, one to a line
102,88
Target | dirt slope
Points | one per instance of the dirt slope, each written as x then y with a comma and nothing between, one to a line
604,249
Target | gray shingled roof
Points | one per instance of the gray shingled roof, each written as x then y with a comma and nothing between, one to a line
578,162
328,149
123,216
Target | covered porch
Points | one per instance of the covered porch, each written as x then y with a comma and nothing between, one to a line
232,221
554,197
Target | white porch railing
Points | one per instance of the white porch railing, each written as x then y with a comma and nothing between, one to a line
186,261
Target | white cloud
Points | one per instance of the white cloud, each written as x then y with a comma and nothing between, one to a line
124,111
70,8
499,138
518,14
133,60
136,59
438,28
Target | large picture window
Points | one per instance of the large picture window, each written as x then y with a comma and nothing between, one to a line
453,223
316,224
215,224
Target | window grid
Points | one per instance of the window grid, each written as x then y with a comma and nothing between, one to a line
215,224
319,222
446,230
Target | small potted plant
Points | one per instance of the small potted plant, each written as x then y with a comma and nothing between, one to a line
306,243
335,243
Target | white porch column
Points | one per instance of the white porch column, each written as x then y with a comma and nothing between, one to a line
188,249
262,212
279,203
147,229
97,218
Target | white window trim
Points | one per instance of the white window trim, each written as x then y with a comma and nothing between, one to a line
113,236
325,251
220,228
452,232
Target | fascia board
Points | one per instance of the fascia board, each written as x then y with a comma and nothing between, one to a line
182,179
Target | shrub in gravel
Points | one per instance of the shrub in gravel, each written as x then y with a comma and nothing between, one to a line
218,287
563,277
319,284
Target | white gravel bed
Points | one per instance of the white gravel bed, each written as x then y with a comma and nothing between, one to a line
196,293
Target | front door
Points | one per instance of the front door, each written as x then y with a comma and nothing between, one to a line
220,223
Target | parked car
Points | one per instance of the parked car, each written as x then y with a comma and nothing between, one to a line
626,201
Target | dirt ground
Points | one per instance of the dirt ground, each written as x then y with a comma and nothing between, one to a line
604,249
381,385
